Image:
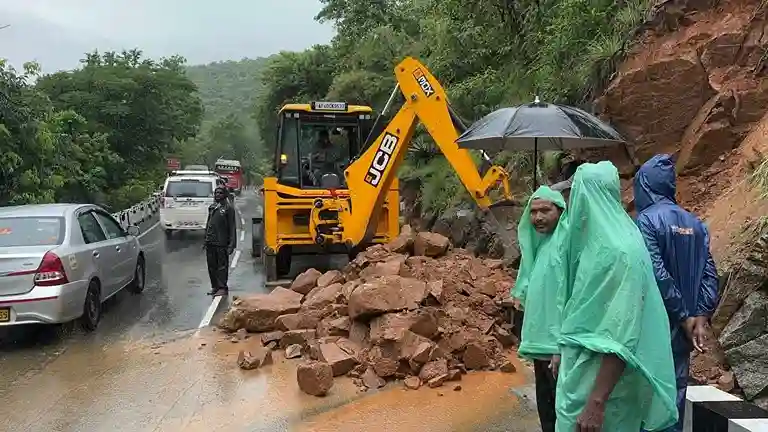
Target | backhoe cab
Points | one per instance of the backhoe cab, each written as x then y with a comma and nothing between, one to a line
350,199
315,144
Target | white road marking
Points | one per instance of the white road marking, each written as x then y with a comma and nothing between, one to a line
210,312
242,235
148,230
234,259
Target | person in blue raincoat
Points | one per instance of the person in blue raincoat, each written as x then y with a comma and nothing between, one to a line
685,272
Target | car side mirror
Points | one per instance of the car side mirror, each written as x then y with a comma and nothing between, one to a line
133,230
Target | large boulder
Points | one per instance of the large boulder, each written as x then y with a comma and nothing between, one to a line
750,322
314,378
430,244
390,326
258,312
329,278
656,100
306,281
750,365
403,243
386,294
323,296
393,266
748,278
303,319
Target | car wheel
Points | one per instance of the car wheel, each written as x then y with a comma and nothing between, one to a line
139,277
92,308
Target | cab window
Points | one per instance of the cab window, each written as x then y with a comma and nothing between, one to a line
287,154
326,149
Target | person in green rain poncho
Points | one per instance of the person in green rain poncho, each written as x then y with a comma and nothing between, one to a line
541,235
616,372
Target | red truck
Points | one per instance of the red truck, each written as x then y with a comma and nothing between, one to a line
232,171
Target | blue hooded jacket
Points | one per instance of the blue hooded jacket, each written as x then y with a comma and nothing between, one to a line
678,243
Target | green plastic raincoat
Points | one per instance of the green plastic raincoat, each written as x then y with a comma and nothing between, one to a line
613,306
541,279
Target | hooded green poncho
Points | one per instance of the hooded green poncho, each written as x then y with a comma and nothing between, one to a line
613,306
541,279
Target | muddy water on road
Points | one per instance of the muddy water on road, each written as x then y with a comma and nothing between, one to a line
193,384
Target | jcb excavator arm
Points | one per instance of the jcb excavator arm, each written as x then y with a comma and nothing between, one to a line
370,176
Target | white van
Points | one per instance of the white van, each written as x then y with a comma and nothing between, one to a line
185,201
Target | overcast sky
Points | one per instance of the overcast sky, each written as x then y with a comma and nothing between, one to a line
56,33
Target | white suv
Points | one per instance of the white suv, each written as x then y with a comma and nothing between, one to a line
185,202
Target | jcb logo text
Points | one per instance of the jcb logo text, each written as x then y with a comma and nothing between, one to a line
381,159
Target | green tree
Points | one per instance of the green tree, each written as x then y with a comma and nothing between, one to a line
145,108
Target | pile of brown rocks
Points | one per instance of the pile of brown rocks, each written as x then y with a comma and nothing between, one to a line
413,309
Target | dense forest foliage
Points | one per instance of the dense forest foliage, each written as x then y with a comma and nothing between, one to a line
488,53
228,91
99,133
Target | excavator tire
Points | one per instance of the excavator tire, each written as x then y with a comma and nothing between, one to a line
283,261
277,266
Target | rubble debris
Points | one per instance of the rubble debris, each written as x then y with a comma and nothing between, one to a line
412,382
508,367
341,361
293,351
330,278
257,313
304,282
430,244
371,380
314,378
475,356
247,360
426,319
300,337
268,337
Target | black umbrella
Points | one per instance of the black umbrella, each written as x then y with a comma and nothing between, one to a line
538,126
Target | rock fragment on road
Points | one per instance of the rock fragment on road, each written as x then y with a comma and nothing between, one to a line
314,378
293,351
248,360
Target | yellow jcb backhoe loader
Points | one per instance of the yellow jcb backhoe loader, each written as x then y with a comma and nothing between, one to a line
320,204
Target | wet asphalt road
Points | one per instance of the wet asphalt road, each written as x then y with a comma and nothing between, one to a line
149,367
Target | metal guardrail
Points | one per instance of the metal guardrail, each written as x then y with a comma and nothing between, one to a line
709,409
140,212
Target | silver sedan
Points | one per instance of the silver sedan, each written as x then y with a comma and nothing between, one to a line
60,262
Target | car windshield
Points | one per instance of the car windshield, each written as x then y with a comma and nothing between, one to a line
189,189
31,231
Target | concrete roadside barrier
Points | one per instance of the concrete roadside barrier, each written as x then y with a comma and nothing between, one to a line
709,409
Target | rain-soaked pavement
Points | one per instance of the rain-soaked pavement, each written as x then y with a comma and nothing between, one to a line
149,368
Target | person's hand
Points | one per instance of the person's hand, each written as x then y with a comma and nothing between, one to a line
700,334
688,325
591,419
554,365
516,304
230,250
